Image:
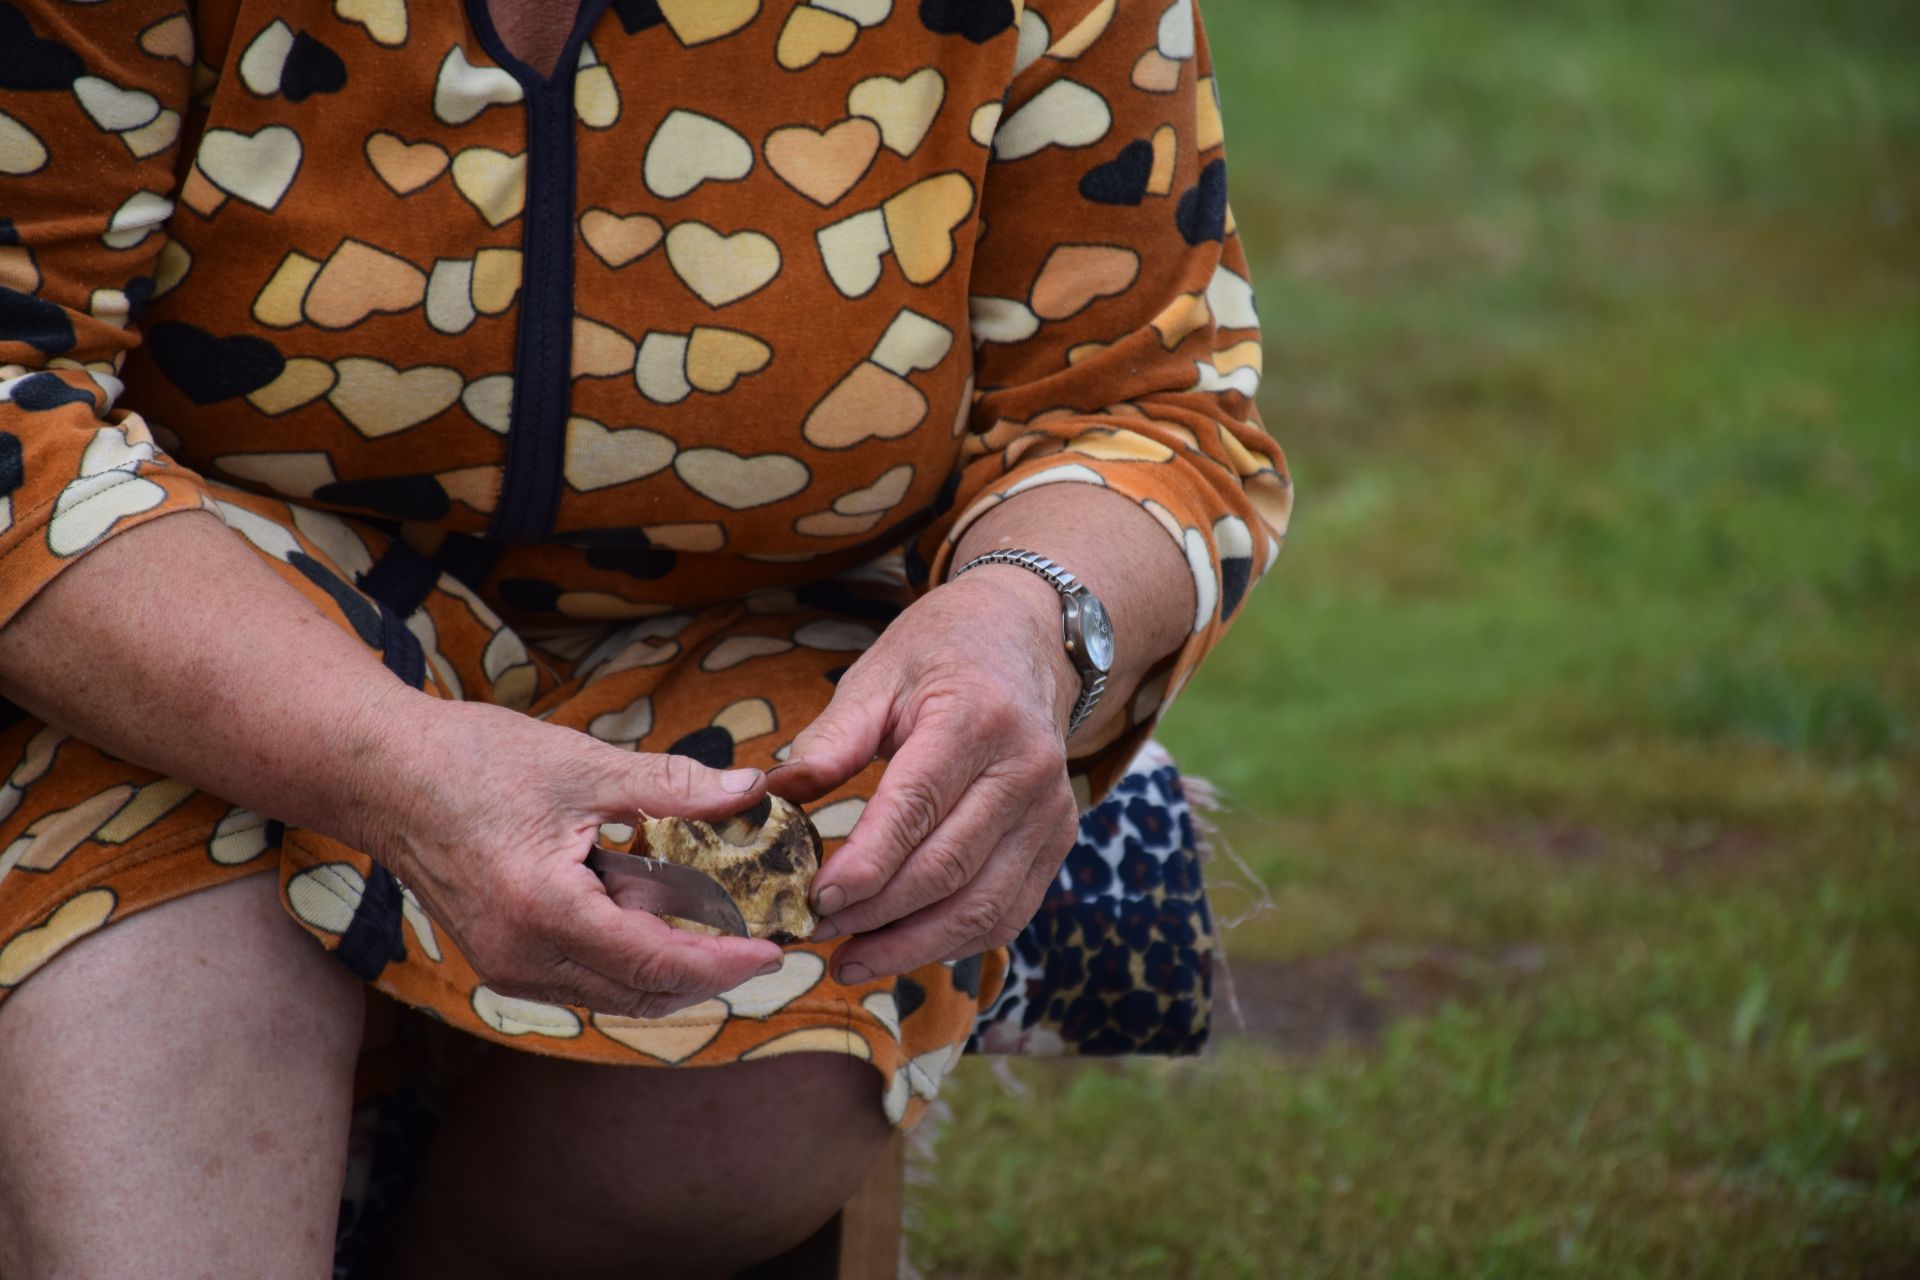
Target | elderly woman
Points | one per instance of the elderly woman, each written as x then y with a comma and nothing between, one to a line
571,413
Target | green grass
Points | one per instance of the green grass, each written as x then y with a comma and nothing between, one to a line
1578,733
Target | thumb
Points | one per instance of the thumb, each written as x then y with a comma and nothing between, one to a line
662,786
842,740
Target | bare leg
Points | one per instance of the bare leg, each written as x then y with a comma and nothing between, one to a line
569,1170
175,1094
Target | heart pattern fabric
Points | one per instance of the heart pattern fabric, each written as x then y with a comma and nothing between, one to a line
752,300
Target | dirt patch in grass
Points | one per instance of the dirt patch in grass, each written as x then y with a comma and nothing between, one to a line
1306,1006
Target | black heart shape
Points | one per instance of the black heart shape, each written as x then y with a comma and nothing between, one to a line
838,597
35,321
45,391
644,563
1123,179
966,977
637,15
1235,573
28,61
311,68
1202,215
402,497
531,595
711,746
363,616
209,369
139,293
7,233
13,462
977,20
908,996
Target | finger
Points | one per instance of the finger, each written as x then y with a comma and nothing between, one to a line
926,779
982,916
1041,877
659,785
944,863
842,740
645,953
572,983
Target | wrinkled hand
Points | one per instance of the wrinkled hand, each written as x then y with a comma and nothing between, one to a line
967,693
487,815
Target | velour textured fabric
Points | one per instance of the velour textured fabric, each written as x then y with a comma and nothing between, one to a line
638,396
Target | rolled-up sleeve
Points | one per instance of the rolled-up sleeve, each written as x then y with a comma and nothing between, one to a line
1113,317
90,116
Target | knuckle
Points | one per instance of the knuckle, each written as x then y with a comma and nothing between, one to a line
975,919
914,814
945,869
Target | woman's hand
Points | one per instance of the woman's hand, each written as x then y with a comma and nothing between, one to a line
967,693
487,815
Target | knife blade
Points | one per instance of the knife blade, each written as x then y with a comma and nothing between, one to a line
666,888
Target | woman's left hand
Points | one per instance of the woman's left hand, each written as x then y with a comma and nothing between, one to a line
967,694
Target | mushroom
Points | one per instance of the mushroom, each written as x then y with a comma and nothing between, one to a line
765,858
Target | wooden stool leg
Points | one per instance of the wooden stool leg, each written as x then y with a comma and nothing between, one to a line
870,1224
862,1242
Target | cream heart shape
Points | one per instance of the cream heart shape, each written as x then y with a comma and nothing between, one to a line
904,109
114,109
21,151
170,38
660,368
879,497
242,836
265,60
50,839
295,474
721,269
91,505
325,897
912,343
868,13
734,650
741,483
1064,114
462,90
811,34
813,1040
760,998
689,149
380,400
852,250
493,182
385,20
512,1016
599,458
256,167
835,821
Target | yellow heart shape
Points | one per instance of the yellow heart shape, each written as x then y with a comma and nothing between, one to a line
75,918
493,182
812,34
698,21
717,358
739,483
920,223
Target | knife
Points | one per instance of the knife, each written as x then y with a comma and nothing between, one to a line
666,889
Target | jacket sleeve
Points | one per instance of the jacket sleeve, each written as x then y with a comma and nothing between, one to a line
91,99
1113,319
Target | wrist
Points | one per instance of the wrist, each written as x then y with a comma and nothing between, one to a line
380,739
1034,606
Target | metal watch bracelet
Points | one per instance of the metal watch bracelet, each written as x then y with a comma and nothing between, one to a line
1093,680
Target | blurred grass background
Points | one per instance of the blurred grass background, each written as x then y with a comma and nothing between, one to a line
1577,735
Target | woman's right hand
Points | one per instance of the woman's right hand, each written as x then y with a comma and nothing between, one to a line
487,815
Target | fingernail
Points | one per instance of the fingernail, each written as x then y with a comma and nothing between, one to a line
830,900
788,763
770,968
854,973
739,781
825,931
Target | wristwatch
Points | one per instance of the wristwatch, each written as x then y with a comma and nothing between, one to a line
1086,629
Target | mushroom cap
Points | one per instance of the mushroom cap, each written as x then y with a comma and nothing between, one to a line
765,858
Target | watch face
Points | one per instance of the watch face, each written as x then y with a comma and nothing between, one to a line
1097,628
